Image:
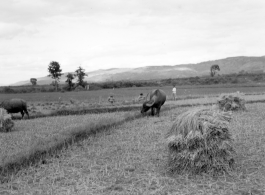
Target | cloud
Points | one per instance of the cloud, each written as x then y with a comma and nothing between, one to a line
27,11
12,30
9,30
118,33
23,12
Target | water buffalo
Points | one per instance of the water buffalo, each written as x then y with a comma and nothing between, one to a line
155,101
15,106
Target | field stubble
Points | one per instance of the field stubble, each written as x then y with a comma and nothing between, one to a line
76,107
45,135
132,159
123,94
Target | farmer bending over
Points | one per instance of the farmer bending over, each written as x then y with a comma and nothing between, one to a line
111,99
141,97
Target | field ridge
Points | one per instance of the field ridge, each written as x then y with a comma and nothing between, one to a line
66,112
51,148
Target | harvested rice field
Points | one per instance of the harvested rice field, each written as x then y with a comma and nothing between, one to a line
29,136
132,159
45,103
127,94
74,106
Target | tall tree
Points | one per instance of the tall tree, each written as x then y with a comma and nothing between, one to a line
55,84
213,69
33,81
55,72
69,80
80,74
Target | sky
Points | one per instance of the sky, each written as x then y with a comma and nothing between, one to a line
107,34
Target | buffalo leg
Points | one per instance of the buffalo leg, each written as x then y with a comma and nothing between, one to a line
27,113
22,113
152,111
158,111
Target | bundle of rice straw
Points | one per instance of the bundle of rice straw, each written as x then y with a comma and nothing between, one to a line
231,102
6,123
199,141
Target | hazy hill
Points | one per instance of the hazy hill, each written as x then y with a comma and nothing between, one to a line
95,76
227,66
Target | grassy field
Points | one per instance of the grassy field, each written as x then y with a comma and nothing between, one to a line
45,109
132,159
129,156
128,94
83,108
29,138
46,103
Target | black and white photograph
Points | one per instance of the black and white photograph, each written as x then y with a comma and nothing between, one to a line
132,97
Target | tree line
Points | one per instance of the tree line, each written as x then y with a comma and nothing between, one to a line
235,78
55,72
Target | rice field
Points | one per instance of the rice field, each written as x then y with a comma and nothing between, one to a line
44,104
30,137
132,159
129,94
129,156
42,109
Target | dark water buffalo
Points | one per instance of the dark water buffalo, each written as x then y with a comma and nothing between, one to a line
15,106
155,101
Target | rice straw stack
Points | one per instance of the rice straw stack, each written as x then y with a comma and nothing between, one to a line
199,141
6,123
231,102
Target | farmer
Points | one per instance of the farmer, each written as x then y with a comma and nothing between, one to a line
111,99
174,92
141,97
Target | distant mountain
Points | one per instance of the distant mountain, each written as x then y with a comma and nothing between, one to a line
227,66
93,76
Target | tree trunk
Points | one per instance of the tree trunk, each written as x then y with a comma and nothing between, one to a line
56,85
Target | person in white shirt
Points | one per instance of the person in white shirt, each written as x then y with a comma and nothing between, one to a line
174,93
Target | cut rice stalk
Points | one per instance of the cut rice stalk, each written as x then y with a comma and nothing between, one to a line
6,123
231,102
199,141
